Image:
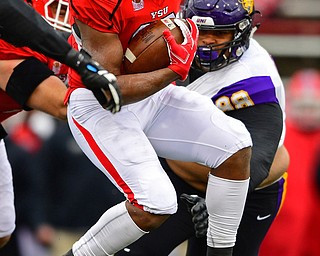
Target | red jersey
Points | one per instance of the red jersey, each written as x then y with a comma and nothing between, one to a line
124,18
8,106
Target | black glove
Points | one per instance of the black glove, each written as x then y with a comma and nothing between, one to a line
97,79
198,209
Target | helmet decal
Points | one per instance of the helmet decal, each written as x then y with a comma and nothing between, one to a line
247,5
203,21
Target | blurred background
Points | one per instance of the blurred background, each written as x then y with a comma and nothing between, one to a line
290,31
57,196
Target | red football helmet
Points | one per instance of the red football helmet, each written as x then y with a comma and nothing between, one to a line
56,13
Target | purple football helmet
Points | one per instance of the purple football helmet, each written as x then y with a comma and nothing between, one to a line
234,15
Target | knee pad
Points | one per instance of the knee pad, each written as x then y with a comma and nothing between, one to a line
162,199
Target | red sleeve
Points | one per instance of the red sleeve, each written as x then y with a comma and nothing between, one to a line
10,52
96,14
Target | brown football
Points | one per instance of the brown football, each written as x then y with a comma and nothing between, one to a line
147,50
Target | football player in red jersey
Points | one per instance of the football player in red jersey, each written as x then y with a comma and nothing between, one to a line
31,80
160,119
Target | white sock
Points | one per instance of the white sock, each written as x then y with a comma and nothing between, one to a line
225,200
113,231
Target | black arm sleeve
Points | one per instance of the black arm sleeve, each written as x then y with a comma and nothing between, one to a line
265,123
21,25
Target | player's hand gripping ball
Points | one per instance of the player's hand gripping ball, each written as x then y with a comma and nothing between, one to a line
148,50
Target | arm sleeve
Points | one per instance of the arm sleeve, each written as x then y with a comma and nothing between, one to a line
264,122
21,25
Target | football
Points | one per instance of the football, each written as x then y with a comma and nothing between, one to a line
147,50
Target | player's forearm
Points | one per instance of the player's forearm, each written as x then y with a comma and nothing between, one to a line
139,86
